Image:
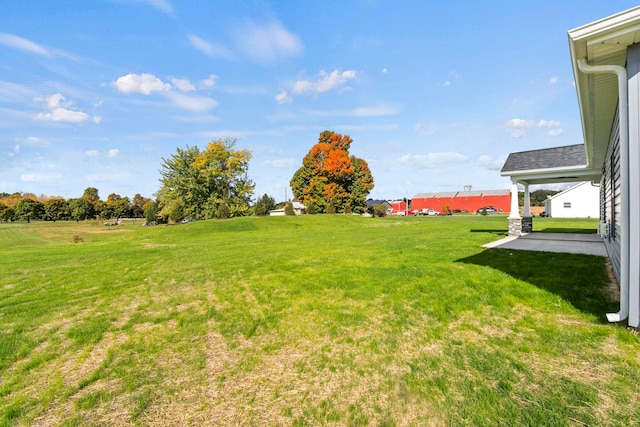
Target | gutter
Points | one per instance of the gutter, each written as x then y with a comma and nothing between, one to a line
623,112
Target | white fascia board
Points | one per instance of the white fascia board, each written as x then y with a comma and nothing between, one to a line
615,32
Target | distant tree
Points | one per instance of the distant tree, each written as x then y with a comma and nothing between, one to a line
4,210
263,205
81,209
120,208
206,183
288,209
56,209
151,211
330,178
379,210
91,194
28,209
310,208
138,205
223,211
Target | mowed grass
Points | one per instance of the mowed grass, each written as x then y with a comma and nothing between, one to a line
310,320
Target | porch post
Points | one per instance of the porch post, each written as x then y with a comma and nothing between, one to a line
527,222
515,222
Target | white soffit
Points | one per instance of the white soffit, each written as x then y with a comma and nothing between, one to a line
601,42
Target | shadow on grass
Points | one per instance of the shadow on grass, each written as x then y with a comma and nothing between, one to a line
497,231
581,280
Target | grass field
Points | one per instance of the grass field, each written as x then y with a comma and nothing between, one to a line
310,320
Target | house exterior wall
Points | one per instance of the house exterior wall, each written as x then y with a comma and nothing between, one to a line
461,201
633,73
579,201
610,199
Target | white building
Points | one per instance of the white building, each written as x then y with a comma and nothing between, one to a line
579,201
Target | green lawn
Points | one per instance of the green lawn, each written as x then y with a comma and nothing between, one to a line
310,320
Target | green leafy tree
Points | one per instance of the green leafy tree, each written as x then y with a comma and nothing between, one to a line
204,184
81,209
56,209
151,211
263,205
330,178
288,209
6,213
28,209
91,194
138,205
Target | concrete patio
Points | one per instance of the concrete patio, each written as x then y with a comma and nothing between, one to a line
589,244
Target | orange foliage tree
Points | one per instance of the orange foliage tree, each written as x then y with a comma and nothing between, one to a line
332,180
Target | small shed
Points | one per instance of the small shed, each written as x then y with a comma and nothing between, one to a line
580,201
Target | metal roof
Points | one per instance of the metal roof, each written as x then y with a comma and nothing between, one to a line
477,193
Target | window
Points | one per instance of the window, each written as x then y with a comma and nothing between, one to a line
567,205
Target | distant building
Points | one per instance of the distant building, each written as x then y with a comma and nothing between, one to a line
579,201
298,209
469,201
399,207
373,202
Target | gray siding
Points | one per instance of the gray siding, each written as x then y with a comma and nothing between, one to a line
610,197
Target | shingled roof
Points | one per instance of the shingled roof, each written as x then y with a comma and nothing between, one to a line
547,158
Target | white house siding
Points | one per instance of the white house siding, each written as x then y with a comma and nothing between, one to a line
610,198
579,201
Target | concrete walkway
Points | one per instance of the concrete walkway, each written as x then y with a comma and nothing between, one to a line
589,244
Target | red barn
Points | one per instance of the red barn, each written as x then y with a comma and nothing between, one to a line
469,201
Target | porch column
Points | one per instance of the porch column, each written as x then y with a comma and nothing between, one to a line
515,222
527,202
527,221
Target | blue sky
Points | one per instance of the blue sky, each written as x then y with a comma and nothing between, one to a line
434,94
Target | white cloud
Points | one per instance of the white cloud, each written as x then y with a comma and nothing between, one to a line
113,152
209,82
268,43
209,48
62,115
34,141
519,127
91,153
163,6
40,177
384,70
140,83
283,97
16,150
59,113
191,102
23,44
553,80
490,163
324,82
183,85
426,129
375,111
431,160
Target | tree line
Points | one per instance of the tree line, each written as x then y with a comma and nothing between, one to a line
213,183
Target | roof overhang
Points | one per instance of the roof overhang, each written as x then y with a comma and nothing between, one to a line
603,42
555,175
